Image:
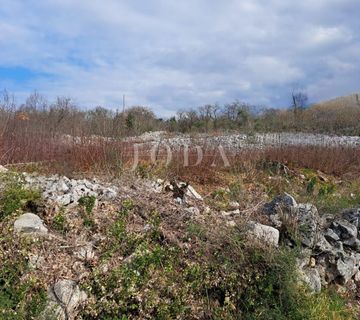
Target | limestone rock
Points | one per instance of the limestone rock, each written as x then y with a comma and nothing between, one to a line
29,223
36,261
108,194
311,277
284,200
331,235
63,300
347,267
85,252
265,233
344,229
281,206
191,192
353,216
308,224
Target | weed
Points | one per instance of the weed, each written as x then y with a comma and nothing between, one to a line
20,297
15,196
326,189
59,222
311,185
87,203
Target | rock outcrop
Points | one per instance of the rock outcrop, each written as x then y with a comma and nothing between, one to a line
332,243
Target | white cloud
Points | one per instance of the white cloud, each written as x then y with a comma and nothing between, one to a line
329,35
169,54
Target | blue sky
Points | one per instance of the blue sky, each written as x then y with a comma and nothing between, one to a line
171,55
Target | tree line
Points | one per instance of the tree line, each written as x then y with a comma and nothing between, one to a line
63,116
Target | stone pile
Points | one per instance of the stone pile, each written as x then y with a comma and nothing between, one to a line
331,244
64,191
236,141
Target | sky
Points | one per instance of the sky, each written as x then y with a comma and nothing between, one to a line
172,55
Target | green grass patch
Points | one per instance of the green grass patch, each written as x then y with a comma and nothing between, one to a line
14,195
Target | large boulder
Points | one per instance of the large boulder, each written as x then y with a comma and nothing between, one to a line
29,223
281,205
267,234
293,218
347,267
339,267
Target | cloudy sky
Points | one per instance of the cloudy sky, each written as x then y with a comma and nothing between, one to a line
178,54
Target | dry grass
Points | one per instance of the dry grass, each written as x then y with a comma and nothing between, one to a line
114,156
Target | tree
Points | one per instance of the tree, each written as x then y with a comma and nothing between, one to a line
299,100
237,114
36,101
138,120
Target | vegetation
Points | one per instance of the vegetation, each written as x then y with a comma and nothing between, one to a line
207,271
220,276
21,296
87,204
14,196
152,262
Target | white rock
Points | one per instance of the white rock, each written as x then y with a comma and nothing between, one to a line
63,200
108,194
29,223
265,233
69,294
357,277
191,192
85,253
36,261
311,277
53,311
178,200
230,213
62,186
226,213
3,169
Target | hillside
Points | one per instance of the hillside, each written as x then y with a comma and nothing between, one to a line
350,101
146,245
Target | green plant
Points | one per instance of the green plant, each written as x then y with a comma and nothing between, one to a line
20,298
326,189
15,196
59,222
310,187
87,203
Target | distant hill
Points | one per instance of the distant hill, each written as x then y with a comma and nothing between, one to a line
340,116
352,100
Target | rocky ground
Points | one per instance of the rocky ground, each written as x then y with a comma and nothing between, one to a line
73,235
257,140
